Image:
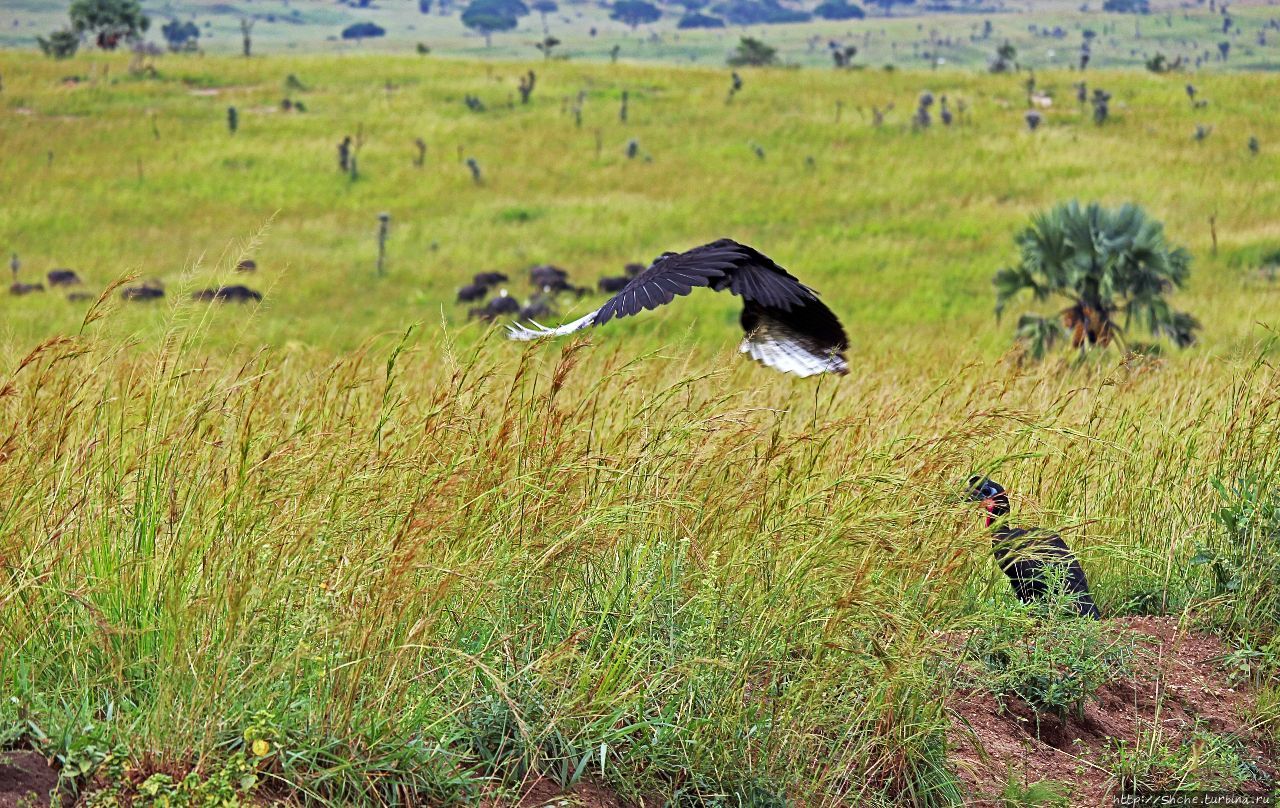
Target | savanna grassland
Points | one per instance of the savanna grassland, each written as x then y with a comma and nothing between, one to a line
348,547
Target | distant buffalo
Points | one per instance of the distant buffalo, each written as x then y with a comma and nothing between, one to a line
63,277
25,288
247,265
146,291
472,292
498,307
613,285
228,294
489,278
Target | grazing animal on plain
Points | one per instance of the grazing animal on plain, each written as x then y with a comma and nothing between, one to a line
633,270
149,290
537,307
228,294
247,265
473,292
787,327
613,285
63,277
1039,565
500,306
489,278
547,275
19,289
80,297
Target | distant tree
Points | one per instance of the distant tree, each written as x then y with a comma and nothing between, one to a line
886,6
759,12
1224,50
1127,6
60,44
839,10
1006,58
693,5
753,53
488,17
109,21
635,12
842,55
181,36
547,44
695,20
424,6
1114,268
246,36
363,30
544,7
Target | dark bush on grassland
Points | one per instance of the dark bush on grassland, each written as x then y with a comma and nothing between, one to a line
363,30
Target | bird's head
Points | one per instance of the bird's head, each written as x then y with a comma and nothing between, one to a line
662,257
994,499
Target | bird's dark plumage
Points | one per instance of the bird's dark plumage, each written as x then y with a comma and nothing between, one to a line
787,327
1040,566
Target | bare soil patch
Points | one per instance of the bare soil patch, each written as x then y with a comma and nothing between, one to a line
1177,682
26,779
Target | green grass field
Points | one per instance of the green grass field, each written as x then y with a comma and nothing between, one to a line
417,561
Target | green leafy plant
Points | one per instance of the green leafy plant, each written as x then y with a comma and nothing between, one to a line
1242,559
1053,665
1113,266
1202,761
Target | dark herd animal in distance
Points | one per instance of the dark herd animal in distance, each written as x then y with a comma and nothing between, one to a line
547,282
141,292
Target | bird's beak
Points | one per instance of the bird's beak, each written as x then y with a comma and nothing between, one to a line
989,504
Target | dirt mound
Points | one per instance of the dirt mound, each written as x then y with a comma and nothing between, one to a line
1177,682
26,779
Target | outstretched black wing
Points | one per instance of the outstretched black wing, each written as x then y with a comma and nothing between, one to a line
787,327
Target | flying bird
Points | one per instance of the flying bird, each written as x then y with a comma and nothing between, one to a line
1038,564
787,327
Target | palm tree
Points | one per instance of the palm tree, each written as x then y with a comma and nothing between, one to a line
1113,266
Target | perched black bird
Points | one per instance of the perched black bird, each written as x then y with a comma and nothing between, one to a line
613,285
787,327
1034,561
472,292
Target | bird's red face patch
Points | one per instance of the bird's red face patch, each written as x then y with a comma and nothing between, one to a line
990,504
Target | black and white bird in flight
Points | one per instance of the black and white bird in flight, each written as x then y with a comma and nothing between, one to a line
787,327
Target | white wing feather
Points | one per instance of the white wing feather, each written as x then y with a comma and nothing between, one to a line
523,333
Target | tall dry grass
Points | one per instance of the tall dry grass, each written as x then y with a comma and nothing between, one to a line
424,566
